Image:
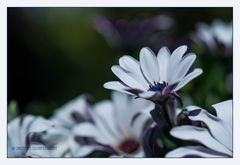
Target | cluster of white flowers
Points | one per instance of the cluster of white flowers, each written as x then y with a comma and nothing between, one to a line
147,89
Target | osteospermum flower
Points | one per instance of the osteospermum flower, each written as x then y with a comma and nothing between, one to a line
30,136
117,127
215,137
154,77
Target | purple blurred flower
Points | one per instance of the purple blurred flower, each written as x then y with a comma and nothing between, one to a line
131,34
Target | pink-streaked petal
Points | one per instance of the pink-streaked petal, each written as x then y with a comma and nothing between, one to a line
183,67
117,86
174,60
201,135
163,57
149,65
126,78
188,78
199,151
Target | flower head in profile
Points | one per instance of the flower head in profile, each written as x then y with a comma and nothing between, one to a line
154,77
215,137
117,127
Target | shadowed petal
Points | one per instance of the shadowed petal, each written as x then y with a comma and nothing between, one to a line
149,65
131,66
126,78
188,78
163,59
215,125
224,112
201,135
183,67
193,151
174,60
116,85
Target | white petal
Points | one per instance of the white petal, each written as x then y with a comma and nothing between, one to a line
63,115
205,34
106,118
40,124
174,60
131,65
126,78
163,59
183,67
149,65
147,94
59,138
122,111
223,32
142,105
193,151
188,78
138,125
224,112
216,126
192,107
117,86
89,130
201,135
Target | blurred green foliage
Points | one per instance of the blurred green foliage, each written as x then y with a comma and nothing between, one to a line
55,54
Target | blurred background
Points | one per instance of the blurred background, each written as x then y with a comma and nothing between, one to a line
56,54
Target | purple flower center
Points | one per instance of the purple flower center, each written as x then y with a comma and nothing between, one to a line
157,86
128,146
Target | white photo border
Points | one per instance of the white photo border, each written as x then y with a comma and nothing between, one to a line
119,3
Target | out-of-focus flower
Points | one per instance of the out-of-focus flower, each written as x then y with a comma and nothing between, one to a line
117,127
215,137
73,112
217,37
154,77
30,136
131,34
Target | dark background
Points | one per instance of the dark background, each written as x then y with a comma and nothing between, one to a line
55,54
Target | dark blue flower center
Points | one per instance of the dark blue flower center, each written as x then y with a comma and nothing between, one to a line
157,86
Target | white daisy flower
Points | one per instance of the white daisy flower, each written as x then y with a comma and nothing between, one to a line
215,36
117,127
215,137
154,77
30,136
73,112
